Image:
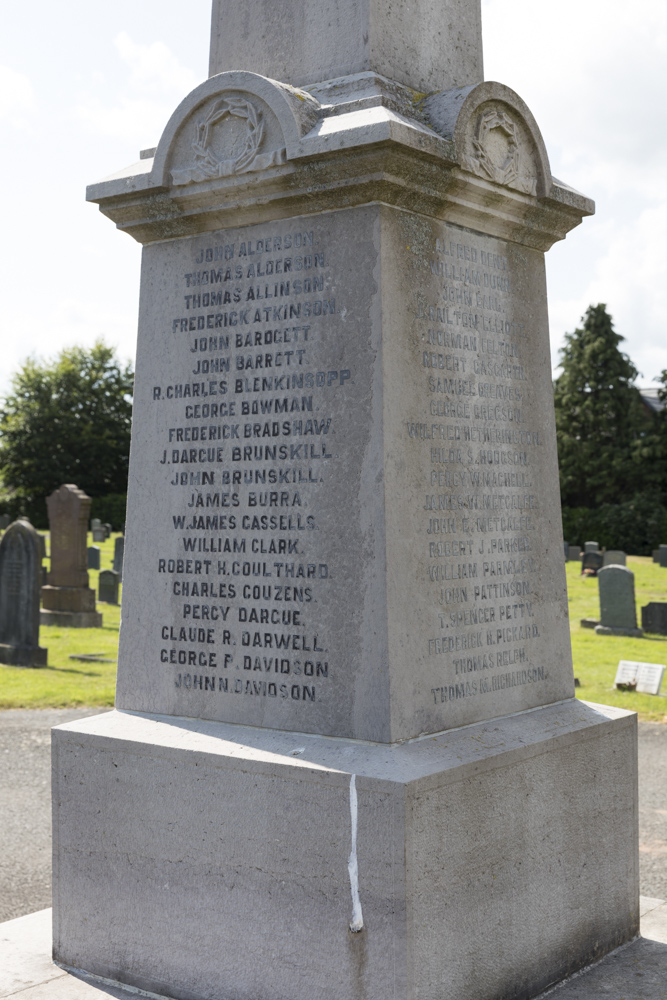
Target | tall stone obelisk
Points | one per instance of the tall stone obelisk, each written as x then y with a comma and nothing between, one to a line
346,760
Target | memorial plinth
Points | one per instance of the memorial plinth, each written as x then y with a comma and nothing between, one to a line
347,741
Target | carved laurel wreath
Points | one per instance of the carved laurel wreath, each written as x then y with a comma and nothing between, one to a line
239,108
508,171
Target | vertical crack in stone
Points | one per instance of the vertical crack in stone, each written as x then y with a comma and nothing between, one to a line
357,922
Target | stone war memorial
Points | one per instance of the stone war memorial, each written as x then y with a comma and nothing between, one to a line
346,761
67,600
20,579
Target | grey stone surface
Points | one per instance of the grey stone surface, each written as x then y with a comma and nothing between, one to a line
108,586
574,553
655,555
25,806
429,46
118,552
591,547
614,557
662,555
20,580
99,535
618,612
67,591
654,617
25,791
636,970
95,524
93,557
489,798
330,638
5,521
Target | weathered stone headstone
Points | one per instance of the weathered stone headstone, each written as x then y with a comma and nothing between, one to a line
67,600
613,557
118,551
107,530
618,613
343,535
93,557
108,586
95,524
20,562
5,521
574,553
654,617
655,555
591,562
662,555
591,547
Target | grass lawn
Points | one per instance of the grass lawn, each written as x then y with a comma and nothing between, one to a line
596,656
66,683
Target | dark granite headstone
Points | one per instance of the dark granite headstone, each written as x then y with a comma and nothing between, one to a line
107,530
655,555
618,612
5,521
662,555
93,557
118,553
575,553
20,578
654,617
591,561
108,586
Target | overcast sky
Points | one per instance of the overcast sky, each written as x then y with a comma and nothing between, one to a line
85,85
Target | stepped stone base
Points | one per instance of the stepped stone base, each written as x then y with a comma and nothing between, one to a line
71,619
633,633
23,656
198,859
68,598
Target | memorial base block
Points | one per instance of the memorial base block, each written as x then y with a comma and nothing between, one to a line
23,656
71,619
200,859
633,633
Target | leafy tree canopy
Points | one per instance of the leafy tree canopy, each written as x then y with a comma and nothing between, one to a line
68,421
607,446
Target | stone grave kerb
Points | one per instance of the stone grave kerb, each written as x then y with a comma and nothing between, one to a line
68,508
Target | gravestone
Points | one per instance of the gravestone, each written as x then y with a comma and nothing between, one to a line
662,555
67,600
20,562
654,617
591,547
93,557
591,562
566,548
107,530
119,549
343,537
108,586
5,521
574,553
613,557
646,678
618,614
655,555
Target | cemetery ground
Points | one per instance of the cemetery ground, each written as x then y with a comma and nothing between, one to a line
596,657
67,683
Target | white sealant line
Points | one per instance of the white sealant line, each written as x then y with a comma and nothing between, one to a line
357,922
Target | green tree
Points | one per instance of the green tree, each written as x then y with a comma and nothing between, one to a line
67,421
607,445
